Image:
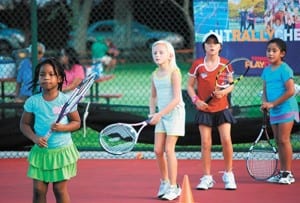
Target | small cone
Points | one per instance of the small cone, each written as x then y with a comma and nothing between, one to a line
186,193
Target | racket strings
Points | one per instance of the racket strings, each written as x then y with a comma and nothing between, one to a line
226,73
74,99
118,138
223,79
80,92
261,164
87,83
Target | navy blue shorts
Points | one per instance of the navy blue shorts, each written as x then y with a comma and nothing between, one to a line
214,119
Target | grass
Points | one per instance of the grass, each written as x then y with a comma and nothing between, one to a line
133,81
91,142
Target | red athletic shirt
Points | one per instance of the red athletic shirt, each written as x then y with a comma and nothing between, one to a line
206,84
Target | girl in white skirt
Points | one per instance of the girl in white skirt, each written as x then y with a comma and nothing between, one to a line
169,120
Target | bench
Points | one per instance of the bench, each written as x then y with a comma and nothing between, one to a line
109,96
185,54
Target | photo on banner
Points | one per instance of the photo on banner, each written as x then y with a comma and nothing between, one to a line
247,25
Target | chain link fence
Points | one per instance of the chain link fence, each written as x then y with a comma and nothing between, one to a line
132,25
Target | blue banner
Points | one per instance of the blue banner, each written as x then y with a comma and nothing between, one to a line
247,25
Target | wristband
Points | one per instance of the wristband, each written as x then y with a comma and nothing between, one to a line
195,99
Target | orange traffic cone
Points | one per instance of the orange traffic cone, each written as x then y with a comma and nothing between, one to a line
186,193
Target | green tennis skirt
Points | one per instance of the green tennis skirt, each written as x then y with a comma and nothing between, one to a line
53,165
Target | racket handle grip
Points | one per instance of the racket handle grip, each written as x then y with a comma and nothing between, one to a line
208,99
48,135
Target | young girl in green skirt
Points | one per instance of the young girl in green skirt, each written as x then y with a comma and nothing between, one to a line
52,160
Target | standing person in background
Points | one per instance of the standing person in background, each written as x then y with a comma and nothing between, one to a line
73,69
169,121
24,76
278,98
243,19
52,160
251,19
216,113
278,28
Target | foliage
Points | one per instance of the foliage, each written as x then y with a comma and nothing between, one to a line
258,6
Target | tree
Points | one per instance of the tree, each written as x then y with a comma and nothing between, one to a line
81,12
185,8
123,17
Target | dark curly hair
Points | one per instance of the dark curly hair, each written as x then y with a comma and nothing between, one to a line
58,70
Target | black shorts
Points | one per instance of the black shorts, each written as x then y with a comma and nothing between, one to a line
214,119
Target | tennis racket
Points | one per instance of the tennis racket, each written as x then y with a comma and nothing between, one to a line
120,138
75,98
262,157
225,77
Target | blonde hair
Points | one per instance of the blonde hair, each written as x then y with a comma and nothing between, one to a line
170,49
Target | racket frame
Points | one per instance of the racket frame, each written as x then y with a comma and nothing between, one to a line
136,134
231,83
262,132
74,99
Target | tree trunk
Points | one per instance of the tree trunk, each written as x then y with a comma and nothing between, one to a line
123,16
185,8
80,19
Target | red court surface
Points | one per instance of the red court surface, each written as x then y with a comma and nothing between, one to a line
136,181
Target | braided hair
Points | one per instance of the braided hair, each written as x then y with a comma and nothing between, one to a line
58,70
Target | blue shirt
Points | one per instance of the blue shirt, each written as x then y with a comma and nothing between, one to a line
45,114
25,77
275,87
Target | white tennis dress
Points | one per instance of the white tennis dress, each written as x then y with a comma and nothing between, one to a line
172,123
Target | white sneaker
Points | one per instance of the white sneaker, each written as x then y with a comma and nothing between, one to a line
286,178
206,182
229,181
172,193
275,178
163,187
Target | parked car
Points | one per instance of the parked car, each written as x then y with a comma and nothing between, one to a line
10,38
142,36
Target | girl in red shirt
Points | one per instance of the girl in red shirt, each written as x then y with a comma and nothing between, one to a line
214,113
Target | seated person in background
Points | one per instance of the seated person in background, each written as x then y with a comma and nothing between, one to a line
73,69
24,76
98,50
110,58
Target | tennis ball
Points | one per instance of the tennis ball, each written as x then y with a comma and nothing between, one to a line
139,155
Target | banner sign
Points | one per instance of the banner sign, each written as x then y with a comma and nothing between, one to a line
247,25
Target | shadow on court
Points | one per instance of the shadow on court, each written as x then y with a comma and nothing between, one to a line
136,181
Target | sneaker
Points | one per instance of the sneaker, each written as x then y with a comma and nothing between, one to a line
275,178
286,178
206,182
229,181
163,187
172,193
